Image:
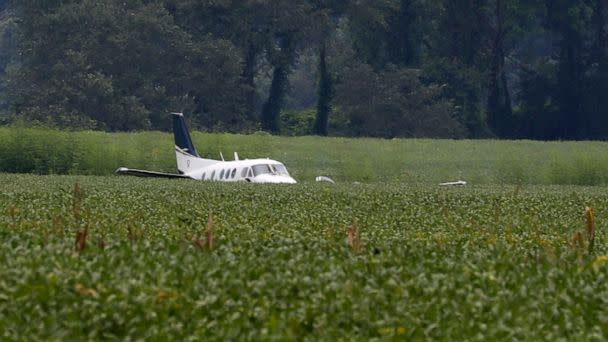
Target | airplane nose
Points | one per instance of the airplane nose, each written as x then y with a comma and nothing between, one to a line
283,180
275,179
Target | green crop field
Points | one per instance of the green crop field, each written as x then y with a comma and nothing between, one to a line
385,253
310,261
412,161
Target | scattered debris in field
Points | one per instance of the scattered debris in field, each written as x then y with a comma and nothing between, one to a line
325,179
459,182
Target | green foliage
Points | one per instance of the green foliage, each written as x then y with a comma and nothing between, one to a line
434,263
7,57
505,68
298,122
579,53
394,103
462,84
369,22
410,161
122,70
538,103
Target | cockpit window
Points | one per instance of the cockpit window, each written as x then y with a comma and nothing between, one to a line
280,169
261,169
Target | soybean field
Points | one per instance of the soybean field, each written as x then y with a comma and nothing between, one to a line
108,257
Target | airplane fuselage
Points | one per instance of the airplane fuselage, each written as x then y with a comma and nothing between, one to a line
248,170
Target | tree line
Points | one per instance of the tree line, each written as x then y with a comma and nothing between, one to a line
387,68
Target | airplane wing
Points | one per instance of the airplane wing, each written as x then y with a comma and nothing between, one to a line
144,173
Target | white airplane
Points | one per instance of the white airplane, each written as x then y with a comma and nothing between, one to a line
191,165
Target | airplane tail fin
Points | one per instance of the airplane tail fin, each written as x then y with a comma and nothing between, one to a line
186,155
182,137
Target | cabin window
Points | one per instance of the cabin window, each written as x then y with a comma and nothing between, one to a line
233,173
261,169
244,172
213,175
222,174
280,169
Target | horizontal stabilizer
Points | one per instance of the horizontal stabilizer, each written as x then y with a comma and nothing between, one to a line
144,173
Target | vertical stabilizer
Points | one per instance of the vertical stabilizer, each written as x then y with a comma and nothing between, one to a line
182,137
188,160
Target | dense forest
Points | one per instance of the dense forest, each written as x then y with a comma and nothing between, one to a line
386,68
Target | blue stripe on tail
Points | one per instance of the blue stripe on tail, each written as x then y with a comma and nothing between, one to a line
182,137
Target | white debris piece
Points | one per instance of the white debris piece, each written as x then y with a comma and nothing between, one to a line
460,182
324,179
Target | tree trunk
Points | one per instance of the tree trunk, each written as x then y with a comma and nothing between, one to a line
570,85
493,110
276,97
600,89
249,77
324,97
278,89
402,49
507,108
499,109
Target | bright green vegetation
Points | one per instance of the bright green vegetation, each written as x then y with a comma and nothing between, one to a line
412,161
478,262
